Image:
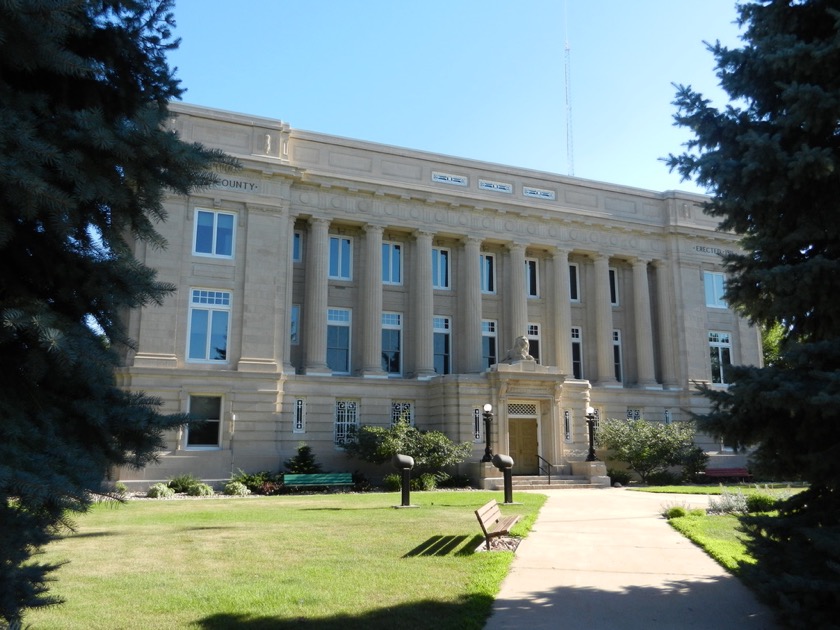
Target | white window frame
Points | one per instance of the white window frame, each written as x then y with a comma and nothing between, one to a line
489,329
341,317
390,251
574,282
297,246
534,335
346,415
618,363
294,325
402,409
532,277
443,326
714,285
577,341
218,421
719,341
215,303
341,248
299,416
487,265
441,272
614,296
215,244
393,321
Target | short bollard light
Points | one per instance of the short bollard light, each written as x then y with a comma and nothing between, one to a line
505,464
404,463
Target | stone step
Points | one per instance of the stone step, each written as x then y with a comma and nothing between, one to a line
536,482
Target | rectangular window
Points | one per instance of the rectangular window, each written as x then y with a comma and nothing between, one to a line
567,425
294,316
613,286
577,352
532,279
341,258
391,343
617,354
720,353
574,291
338,340
209,325
534,341
488,273
714,285
440,268
346,420
402,411
214,233
299,422
205,423
297,247
391,263
442,327
488,342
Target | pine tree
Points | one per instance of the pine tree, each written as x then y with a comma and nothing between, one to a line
771,161
304,462
86,158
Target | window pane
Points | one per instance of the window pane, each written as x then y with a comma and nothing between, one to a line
338,346
204,232
224,235
345,258
218,336
573,283
334,257
198,334
204,433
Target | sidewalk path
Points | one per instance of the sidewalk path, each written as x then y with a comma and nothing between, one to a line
606,559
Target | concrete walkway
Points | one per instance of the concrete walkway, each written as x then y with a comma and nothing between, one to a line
606,559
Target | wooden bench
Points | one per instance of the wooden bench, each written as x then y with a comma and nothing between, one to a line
318,479
727,473
493,524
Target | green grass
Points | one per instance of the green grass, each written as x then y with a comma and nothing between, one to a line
769,488
718,536
315,561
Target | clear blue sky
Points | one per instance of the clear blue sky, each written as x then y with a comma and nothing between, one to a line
481,79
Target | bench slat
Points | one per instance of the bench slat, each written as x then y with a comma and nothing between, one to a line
318,479
493,524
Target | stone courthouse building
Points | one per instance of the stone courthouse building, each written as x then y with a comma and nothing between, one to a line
332,283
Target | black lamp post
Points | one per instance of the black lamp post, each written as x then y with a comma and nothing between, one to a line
590,420
488,420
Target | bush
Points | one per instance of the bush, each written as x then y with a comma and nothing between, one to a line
392,482
758,502
120,488
622,477
728,502
426,482
662,478
675,512
200,490
303,463
183,483
262,482
160,490
453,481
236,489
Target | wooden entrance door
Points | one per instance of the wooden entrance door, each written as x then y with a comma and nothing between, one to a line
523,445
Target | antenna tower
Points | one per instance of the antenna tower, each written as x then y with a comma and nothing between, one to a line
570,147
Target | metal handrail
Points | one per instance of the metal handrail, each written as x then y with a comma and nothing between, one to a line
547,467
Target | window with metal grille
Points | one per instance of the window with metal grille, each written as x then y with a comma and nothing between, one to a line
346,420
567,425
522,409
300,416
402,411
634,413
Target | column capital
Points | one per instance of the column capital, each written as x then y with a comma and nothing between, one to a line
319,221
423,234
373,227
641,260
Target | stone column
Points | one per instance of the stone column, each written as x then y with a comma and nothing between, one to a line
423,297
314,315
284,297
371,305
470,298
644,329
666,326
518,294
561,306
604,322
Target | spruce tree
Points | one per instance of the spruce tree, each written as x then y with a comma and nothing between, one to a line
85,157
771,162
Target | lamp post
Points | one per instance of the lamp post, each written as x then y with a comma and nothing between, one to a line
488,419
590,420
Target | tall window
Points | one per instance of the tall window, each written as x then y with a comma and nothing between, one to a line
534,341
341,258
209,325
577,352
294,337
488,273
297,247
488,342
299,420
613,286
617,354
391,343
713,283
720,353
391,263
338,340
440,268
567,425
346,420
203,429
214,233
574,290
402,411
442,340
532,278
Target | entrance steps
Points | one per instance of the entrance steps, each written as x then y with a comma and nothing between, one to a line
536,482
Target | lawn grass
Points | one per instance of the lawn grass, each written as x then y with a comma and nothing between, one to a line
719,536
316,561
768,488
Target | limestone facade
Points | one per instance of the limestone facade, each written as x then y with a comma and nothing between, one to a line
333,282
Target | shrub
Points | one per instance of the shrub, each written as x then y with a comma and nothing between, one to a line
183,483
622,477
304,462
453,481
262,482
675,512
392,482
120,488
160,490
728,502
200,490
426,482
236,489
758,502
662,478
